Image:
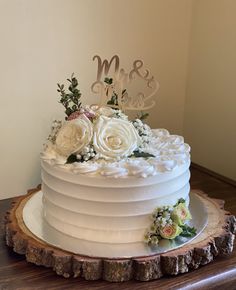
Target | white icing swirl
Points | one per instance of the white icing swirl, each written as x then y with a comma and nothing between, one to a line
113,171
170,152
141,170
160,132
85,168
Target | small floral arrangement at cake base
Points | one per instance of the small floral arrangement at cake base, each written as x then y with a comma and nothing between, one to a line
169,222
94,132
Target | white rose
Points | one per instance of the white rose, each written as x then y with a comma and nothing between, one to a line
114,138
73,136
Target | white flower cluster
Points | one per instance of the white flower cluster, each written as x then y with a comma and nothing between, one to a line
162,216
93,132
144,130
168,222
86,153
56,126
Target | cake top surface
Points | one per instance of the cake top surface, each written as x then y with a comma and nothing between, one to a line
100,139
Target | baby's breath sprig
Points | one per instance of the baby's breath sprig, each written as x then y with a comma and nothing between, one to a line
86,154
56,126
70,100
146,135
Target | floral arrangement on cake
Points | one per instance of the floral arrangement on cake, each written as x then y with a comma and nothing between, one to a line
96,132
169,222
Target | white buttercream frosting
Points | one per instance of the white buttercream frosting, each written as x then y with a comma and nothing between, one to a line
110,201
107,210
170,152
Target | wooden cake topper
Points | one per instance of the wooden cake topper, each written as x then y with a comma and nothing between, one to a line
120,80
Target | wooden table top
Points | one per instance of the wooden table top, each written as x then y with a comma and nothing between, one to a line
16,273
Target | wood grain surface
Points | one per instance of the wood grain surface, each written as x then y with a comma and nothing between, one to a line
16,273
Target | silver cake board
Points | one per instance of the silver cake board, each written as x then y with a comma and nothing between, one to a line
29,234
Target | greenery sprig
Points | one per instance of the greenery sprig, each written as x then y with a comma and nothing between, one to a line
70,100
180,200
188,231
142,154
114,98
170,222
142,116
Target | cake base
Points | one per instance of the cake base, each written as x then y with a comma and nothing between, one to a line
215,240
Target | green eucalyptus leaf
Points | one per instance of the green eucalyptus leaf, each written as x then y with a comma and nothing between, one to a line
142,154
70,100
108,81
144,116
188,231
68,111
71,159
74,82
181,200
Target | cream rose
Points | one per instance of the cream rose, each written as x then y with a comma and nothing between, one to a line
73,136
114,138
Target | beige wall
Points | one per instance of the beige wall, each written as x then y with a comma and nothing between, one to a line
210,110
44,41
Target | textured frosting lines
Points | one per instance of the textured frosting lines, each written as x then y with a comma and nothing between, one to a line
105,214
170,152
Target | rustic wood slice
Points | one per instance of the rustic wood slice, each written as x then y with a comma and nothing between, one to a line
215,240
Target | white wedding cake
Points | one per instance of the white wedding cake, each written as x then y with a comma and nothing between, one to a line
112,201
109,181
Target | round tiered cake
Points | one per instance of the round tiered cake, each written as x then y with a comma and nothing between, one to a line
111,202
107,180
